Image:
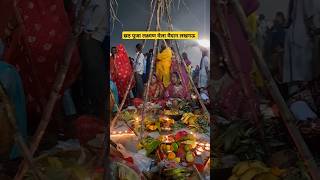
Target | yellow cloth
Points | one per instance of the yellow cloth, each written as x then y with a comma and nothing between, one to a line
163,66
256,76
252,21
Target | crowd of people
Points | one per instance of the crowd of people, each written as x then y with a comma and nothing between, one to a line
289,47
170,78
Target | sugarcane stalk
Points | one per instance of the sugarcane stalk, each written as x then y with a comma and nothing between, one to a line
146,98
286,114
146,93
55,93
17,135
114,120
204,108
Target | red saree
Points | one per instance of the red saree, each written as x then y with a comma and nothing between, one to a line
36,48
173,91
121,70
230,101
156,91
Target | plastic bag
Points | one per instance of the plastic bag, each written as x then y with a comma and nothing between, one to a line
141,161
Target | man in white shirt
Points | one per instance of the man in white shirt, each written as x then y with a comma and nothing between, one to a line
95,29
138,65
204,70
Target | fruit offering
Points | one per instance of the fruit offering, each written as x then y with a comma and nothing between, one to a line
149,144
253,170
166,123
180,150
171,112
153,126
177,173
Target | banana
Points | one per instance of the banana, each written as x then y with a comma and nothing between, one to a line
233,177
251,173
240,168
266,176
175,171
277,171
258,164
186,116
192,120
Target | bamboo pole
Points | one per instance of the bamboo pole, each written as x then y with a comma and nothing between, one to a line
194,86
145,99
17,135
54,95
114,120
237,68
287,116
204,108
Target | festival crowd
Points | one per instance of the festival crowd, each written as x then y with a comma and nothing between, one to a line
170,78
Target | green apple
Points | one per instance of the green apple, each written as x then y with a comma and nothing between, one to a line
189,157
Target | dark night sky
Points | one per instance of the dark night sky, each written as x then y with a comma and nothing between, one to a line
134,15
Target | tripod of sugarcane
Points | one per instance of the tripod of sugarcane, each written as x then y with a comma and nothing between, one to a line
287,116
157,5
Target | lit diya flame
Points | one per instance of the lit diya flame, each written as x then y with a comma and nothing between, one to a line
198,153
200,149
193,96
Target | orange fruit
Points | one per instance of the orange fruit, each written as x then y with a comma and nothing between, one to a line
171,155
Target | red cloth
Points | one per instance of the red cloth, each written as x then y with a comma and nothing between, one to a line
230,100
87,128
137,102
121,70
37,50
173,91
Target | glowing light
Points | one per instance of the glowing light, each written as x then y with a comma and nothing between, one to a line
200,149
204,43
198,153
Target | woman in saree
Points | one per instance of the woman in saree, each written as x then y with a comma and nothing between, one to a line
156,89
120,68
178,66
163,66
228,99
176,89
35,46
240,58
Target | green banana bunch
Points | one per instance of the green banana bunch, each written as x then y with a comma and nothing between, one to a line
178,173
